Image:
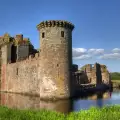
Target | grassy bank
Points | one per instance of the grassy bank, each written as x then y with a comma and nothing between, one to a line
106,113
116,81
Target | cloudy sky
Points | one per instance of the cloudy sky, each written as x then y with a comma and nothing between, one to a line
96,37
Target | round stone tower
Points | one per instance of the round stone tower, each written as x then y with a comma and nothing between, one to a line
55,57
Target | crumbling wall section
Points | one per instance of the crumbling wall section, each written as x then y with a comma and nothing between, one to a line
88,71
97,74
105,74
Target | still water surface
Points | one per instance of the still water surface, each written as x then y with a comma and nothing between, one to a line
64,106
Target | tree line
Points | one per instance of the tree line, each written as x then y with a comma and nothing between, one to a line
115,75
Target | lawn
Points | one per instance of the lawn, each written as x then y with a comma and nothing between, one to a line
105,113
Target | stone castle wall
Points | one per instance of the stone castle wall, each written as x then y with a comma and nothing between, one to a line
21,77
27,77
47,75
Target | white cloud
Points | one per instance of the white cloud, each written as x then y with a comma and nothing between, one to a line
82,53
110,56
78,51
83,57
116,50
96,51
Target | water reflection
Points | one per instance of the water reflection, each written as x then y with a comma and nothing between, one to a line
98,100
27,102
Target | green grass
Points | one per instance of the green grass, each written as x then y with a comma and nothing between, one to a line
116,81
105,113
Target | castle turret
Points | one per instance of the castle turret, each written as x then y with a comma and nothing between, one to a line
56,54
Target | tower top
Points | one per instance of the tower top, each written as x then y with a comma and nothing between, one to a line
53,23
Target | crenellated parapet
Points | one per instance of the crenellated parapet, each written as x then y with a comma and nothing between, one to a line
55,23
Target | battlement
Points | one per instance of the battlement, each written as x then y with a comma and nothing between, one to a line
53,23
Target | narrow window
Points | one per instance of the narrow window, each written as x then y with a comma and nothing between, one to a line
17,72
62,33
43,35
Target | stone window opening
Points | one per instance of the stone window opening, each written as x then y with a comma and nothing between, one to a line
57,65
62,33
43,35
17,72
13,53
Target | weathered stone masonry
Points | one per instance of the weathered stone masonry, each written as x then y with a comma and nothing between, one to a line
93,74
48,74
25,76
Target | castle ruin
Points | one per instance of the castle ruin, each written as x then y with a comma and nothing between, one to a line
92,74
48,72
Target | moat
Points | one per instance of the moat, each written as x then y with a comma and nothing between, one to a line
64,106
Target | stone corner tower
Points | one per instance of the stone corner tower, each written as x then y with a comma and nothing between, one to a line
56,57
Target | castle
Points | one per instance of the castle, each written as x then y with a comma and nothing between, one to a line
47,72
92,74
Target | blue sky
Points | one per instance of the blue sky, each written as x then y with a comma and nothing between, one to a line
96,37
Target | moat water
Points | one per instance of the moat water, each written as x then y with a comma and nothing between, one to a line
65,106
